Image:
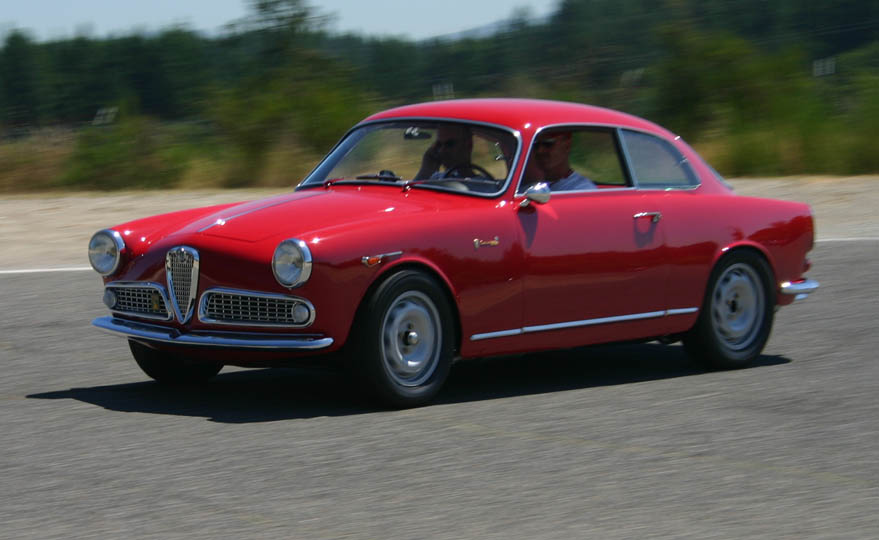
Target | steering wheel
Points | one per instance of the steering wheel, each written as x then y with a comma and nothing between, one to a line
472,167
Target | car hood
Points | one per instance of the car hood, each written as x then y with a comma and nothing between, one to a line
309,211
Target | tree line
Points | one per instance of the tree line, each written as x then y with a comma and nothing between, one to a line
760,86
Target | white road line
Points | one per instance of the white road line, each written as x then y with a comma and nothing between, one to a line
850,239
44,270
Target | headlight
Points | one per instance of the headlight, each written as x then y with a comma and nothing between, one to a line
291,263
105,251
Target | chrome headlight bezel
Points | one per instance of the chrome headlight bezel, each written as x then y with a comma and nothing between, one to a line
105,251
291,263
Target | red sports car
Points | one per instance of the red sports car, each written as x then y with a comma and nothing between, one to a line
461,229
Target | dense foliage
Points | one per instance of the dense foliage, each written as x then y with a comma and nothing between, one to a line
760,86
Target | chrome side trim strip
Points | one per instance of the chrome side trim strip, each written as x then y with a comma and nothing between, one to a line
585,322
591,322
227,340
682,311
502,333
801,289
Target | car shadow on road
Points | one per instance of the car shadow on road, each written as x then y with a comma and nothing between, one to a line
267,395
573,369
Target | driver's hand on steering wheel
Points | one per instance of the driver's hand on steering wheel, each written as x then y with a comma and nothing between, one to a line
431,159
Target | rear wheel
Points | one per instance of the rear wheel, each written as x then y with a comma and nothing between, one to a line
404,339
169,368
737,313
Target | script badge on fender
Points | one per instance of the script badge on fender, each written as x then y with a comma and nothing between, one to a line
477,243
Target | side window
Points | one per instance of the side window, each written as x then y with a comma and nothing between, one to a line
656,163
594,154
574,158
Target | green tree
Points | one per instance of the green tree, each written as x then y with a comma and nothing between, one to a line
19,81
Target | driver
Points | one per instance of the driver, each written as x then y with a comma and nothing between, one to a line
452,150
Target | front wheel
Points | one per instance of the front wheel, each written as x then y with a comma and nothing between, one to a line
404,340
737,313
169,368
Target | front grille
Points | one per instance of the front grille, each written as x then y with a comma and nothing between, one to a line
142,301
181,269
255,309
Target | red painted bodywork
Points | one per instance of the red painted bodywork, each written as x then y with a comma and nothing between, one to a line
581,256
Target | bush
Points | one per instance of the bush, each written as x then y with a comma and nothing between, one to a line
864,127
36,162
133,153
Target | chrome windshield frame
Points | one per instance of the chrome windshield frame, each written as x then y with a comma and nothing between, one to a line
307,183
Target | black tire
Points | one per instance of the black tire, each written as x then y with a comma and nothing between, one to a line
168,368
737,313
403,340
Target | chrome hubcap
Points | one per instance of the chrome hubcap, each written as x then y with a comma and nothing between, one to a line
411,336
738,306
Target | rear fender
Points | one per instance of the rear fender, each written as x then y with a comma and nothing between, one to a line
751,246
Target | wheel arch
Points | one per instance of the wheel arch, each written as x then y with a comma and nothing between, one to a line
747,247
417,266
702,341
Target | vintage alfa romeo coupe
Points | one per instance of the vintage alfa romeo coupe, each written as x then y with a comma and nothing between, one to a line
461,229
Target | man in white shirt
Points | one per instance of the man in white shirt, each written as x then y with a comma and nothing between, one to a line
550,152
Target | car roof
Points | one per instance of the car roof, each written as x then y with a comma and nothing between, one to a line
520,114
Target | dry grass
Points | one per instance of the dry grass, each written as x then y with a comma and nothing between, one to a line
35,163
287,163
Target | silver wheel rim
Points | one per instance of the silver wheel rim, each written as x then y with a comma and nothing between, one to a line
410,339
738,305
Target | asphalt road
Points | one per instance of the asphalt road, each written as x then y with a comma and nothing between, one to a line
608,442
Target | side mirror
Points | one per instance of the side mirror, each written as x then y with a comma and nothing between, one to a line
538,193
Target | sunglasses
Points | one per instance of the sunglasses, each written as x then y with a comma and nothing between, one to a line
545,143
448,143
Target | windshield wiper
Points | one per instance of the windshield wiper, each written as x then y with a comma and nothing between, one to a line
409,183
383,176
359,179
380,176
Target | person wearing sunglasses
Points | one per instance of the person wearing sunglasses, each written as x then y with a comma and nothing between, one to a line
452,151
550,154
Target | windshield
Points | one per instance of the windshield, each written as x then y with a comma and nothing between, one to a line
453,156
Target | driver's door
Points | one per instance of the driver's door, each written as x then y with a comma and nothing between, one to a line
595,267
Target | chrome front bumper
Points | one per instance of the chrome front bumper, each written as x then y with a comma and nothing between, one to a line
225,340
800,289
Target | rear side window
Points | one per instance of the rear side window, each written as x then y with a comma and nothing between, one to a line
656,164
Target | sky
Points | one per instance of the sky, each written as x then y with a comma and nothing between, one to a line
413,19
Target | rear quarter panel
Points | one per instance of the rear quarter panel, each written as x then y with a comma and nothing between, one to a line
702,228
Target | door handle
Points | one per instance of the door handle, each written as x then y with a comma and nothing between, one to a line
655,216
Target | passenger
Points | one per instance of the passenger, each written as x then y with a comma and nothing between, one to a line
550,152
452,150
